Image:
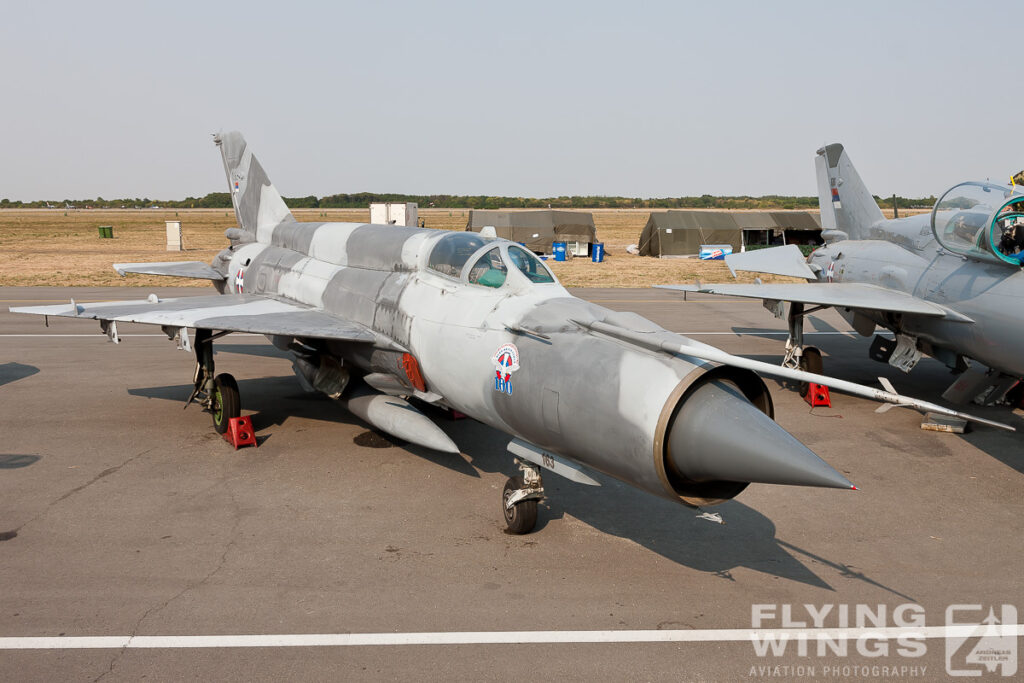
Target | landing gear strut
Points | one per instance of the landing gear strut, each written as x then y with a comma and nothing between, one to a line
519,499
216,393
798,356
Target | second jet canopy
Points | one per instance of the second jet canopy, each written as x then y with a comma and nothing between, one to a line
984,221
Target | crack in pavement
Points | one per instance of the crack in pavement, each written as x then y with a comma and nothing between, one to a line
105,473
155,609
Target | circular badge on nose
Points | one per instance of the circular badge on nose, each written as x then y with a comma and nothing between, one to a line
506,361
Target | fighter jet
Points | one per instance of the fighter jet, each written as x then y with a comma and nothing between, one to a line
384,318
948,284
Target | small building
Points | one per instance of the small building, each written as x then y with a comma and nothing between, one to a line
538,230
395,213
681,233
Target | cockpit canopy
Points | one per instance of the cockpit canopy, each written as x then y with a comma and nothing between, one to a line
452,251
485,261
984,221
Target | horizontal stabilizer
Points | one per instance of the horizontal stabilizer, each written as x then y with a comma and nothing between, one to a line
192,269
229,312
787,260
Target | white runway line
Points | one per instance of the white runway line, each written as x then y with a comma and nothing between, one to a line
505,637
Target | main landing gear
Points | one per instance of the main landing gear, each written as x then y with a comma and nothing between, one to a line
798,356
810,361
217,394
519,499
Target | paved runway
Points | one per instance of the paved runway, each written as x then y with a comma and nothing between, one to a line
121,514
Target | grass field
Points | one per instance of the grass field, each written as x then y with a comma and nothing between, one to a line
57,247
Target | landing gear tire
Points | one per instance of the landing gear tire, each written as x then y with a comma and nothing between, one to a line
810,361
225,402
521,518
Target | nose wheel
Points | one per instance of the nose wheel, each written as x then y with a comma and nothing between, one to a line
519,499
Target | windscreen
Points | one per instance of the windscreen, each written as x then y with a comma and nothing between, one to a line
489,270
530,265
983,221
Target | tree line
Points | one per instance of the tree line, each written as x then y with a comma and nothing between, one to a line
361,200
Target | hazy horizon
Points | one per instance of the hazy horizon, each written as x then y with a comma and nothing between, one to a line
540,100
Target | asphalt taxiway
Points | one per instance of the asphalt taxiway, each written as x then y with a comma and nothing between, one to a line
124,515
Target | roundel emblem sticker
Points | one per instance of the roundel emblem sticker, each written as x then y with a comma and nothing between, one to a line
506,361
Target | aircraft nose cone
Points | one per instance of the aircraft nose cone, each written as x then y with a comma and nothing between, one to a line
719,435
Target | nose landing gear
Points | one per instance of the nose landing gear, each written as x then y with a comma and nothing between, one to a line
519,499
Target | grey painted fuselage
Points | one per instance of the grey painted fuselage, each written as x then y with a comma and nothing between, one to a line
505,343
903,255
567,377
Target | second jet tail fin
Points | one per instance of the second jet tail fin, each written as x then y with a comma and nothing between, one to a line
847,208
259,207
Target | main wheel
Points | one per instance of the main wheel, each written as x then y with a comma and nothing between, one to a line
225,402
810,361
521,517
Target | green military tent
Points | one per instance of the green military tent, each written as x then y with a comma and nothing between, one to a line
681,233
538,229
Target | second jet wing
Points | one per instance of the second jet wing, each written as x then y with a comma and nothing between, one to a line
838,294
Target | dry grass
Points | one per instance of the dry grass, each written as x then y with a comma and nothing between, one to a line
57,247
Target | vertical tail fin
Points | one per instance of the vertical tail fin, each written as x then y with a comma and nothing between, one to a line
259,207
846,205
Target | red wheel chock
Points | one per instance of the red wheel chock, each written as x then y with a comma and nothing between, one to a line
817,395
240,432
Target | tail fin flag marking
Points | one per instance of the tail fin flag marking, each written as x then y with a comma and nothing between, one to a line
259,207
848,210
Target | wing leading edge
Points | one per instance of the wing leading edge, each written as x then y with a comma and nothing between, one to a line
190,269
228,312
839,294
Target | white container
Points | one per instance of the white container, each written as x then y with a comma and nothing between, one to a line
578,248
396,213
173,235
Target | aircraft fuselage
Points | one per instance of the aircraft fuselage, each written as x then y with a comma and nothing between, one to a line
514,357
903,255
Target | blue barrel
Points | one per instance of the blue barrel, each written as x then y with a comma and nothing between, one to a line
559,250
597,252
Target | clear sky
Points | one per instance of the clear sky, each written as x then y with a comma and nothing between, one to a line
525,98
